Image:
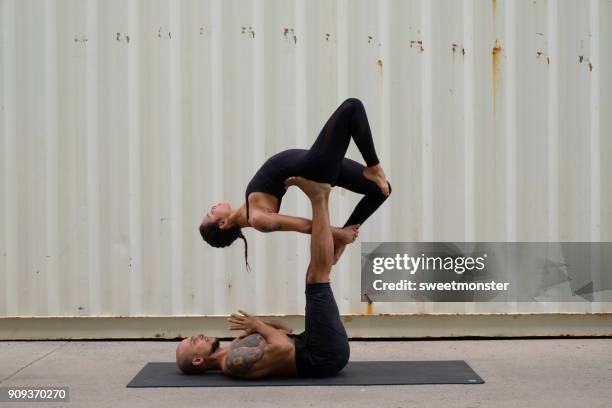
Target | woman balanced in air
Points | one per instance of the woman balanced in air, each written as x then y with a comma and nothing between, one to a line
325,163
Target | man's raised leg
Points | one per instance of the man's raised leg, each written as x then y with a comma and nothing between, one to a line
324,333
321,239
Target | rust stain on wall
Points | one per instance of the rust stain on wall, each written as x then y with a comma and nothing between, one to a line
495,53
418,44
286,34
381,67
541,55
582,58
455,48
370,304
248,30
494,9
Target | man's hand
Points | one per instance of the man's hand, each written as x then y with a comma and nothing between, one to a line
276,339
244,321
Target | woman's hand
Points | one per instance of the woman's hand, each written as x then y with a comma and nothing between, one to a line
244,321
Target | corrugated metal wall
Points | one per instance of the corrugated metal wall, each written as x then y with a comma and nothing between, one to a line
123,121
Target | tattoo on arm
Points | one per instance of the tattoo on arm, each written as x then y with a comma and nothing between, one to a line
244,354
252,340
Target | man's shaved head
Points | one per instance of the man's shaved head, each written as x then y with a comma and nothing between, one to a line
192,353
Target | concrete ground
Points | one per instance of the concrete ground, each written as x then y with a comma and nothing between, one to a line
518,373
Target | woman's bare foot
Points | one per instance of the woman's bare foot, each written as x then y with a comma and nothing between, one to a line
377,175
342,238
311,188
346,235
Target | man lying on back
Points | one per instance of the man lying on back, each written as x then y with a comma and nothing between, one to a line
264,348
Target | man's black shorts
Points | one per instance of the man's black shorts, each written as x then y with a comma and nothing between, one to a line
322,349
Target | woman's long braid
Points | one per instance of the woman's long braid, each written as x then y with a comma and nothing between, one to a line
246,252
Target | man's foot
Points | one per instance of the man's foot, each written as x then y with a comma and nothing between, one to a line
377,175
311,188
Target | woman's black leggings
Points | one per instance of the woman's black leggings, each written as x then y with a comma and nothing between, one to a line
325,161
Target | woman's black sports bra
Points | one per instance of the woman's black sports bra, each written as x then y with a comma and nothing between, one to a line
271,176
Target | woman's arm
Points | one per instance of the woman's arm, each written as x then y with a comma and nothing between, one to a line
269,222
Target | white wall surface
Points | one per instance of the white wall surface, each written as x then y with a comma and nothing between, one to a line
121,122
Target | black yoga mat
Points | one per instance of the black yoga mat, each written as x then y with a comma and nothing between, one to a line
355,373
